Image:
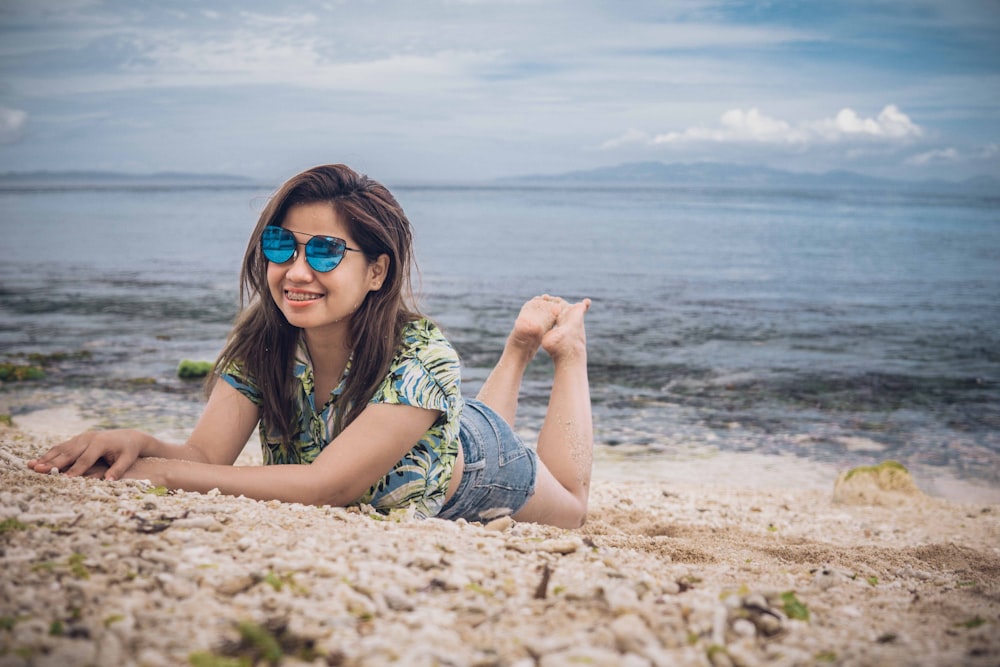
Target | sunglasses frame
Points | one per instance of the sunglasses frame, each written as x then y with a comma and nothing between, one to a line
315,241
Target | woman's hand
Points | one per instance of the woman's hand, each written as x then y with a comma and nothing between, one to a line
143,468
119,449
152,469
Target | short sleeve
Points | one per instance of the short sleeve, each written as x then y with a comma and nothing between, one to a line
425,372
237,378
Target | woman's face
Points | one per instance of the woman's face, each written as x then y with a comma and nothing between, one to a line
317,301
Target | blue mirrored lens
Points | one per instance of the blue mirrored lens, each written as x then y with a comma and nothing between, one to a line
278,244
324,254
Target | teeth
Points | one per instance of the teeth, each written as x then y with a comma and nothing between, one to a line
301,296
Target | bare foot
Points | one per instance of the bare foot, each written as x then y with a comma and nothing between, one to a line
537,317
568,339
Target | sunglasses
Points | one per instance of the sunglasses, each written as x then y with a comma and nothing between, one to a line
323,253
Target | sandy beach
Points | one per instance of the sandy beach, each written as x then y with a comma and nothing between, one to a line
695,568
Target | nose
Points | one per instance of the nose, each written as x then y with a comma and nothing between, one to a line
299,270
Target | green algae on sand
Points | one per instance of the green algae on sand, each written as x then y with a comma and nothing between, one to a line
193,370
887,483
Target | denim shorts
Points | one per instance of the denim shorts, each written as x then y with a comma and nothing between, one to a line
500,470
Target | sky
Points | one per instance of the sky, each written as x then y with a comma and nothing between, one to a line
471,90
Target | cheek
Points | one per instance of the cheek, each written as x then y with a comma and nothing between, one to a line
274,277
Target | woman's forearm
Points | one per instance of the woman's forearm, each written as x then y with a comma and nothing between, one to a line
287,483
156,448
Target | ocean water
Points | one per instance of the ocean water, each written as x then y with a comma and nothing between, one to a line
844,327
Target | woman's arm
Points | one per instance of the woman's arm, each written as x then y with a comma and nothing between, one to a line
349,466
220,435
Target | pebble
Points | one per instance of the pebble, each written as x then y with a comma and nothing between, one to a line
825,578
720,658
575,657
631,633
670,587
174,586
149,657
235,585
67,652
744,628
563,546
121,624
620,597
198,522
49,518
768,624
502,524
742,653
850,611
109,650
397,600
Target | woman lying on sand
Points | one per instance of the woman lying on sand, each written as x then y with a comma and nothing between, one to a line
355,392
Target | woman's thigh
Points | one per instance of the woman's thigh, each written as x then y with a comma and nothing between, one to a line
551,503
500,471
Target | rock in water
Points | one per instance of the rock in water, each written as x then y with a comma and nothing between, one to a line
887,484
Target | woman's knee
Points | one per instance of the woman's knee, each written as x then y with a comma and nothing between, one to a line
553,504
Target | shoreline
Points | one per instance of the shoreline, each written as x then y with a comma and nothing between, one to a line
747,470
751,567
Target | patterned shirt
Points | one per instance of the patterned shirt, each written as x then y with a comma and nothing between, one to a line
424,373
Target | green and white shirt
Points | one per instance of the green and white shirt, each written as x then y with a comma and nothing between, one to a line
424,373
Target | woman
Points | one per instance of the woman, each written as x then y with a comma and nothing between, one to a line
356,393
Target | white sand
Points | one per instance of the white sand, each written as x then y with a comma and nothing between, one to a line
691,562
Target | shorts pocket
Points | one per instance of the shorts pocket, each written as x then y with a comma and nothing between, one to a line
502,474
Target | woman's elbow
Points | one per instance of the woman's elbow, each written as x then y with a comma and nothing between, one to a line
323,493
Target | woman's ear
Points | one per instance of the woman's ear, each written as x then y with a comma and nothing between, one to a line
377,271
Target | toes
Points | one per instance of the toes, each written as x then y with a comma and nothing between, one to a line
573,312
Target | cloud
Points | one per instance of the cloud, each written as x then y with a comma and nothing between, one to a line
936,156
988,152
737,125
753,126
952,156
891,123
487,85
271,20
631,137
12,122
168,58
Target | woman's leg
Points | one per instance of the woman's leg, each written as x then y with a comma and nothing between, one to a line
502,387
566,440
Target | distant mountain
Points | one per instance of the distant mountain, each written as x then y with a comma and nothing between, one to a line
733,175
109,178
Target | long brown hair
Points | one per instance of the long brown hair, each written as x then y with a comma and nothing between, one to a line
263,342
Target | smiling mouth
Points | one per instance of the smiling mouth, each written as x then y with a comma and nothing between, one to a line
302,296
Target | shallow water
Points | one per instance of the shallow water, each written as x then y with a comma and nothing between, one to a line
836,326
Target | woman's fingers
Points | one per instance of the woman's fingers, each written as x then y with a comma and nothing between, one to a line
97,471
119,467
88,455
46,458
79,455
60,456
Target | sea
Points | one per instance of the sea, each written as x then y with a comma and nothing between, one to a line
838,326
